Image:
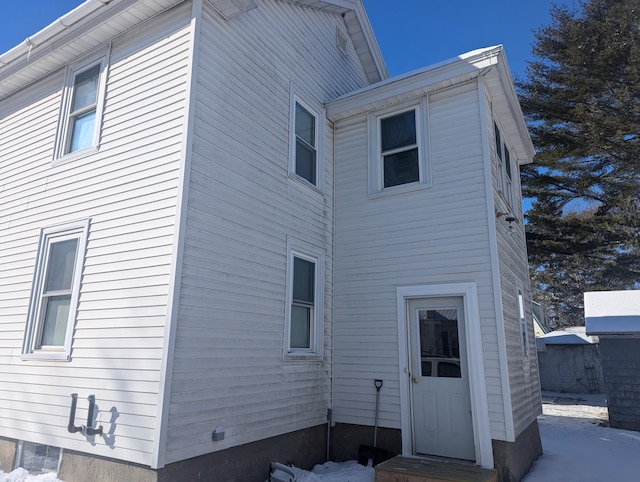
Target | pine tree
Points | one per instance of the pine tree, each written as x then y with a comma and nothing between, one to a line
581,99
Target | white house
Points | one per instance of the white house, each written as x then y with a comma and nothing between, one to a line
221,222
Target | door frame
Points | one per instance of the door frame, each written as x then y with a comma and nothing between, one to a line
477,382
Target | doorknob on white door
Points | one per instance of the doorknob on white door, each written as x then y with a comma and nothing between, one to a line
414,379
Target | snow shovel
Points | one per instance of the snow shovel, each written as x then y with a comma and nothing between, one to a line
366,452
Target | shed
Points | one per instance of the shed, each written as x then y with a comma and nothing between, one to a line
569,361
614,316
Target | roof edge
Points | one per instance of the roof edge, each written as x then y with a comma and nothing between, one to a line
52,30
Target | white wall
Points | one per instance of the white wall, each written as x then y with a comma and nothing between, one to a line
242,208
523,378
128,189
434,235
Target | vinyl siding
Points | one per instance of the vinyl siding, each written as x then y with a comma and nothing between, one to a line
228,368
128,189
438,234
513,271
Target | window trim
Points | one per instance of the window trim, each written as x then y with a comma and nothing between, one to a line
302,250
319,116
63,131
34,324
376,158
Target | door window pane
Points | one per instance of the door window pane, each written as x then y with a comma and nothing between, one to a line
439,343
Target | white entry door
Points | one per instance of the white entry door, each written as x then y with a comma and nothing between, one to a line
440,393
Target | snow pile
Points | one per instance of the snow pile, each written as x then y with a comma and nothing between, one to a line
22,475
349,471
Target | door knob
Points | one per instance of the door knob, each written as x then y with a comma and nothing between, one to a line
415,379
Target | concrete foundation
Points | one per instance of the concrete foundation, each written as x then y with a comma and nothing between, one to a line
7,454
514,459
246,463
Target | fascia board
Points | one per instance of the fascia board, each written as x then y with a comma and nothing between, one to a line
414,83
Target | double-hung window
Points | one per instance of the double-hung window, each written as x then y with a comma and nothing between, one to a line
399,149
55,291
505,178
397,153
306,146
304,323
81,109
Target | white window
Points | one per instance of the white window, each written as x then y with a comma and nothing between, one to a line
55,290
398,158
504,166
81,108
306,162
305,300
523,322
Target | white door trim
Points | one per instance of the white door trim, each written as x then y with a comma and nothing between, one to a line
477,381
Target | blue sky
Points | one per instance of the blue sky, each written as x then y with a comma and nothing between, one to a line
411,33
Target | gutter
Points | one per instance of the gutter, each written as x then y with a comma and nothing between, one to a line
49,32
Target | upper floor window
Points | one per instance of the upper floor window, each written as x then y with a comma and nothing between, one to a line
505,178
304,324
306,154
55,291
81,109
306,146
82,115
399,149
398,159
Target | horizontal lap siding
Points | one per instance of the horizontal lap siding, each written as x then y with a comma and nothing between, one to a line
228,367
129,190
434,235
512,256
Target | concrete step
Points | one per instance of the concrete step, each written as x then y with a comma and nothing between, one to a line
412,469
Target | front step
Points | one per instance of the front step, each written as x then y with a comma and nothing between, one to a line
409,469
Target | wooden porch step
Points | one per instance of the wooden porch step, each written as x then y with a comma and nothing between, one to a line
410,469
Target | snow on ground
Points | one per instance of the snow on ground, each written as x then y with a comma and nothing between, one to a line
21,475
579,447
577,443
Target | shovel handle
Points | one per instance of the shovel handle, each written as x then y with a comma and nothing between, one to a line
378,384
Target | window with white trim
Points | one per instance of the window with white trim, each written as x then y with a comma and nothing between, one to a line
305,300
398,159
306,161
81,109
55,291
505,178
523,321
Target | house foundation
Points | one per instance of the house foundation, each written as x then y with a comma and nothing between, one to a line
245,463
512,460
7,454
